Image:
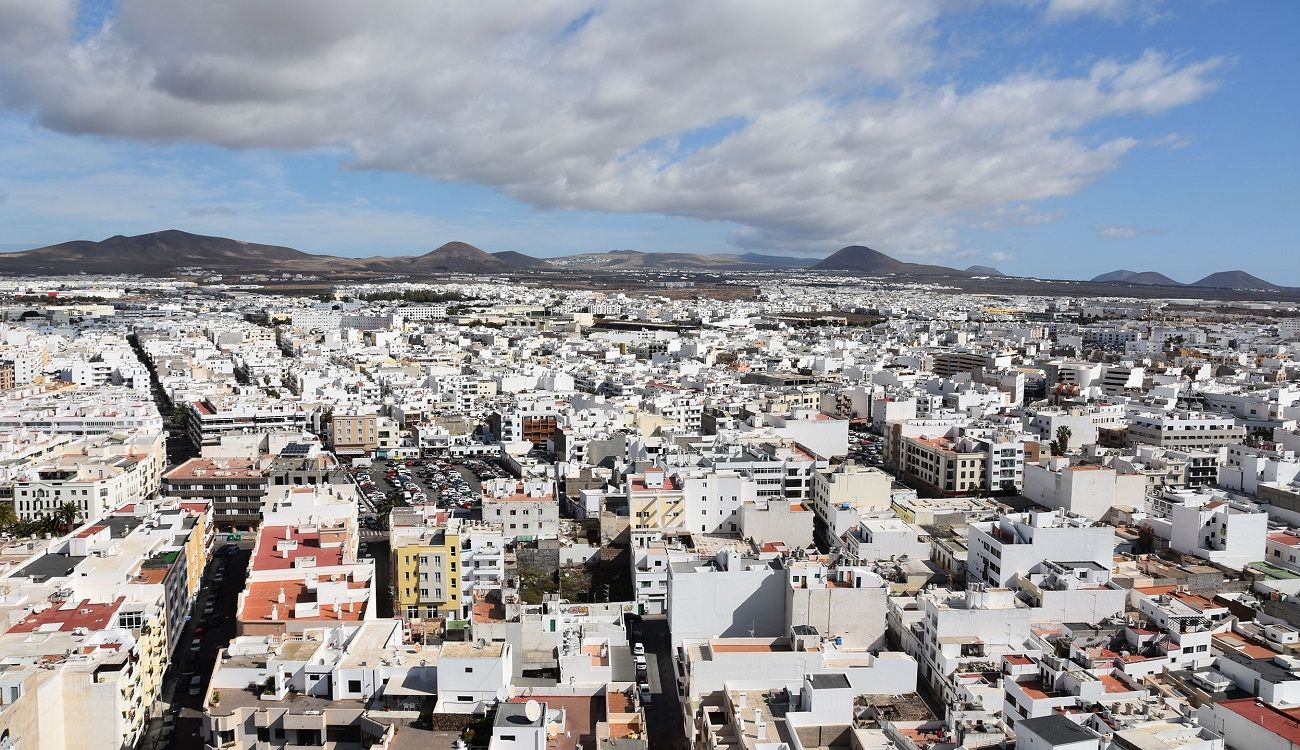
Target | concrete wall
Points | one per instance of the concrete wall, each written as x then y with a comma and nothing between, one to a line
733,603
856,615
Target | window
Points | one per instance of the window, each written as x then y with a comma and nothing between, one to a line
469,670
354,686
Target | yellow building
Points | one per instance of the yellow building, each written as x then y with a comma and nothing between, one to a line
425,575
655,501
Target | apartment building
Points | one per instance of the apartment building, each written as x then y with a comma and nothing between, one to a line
1020,543
1226,532
526,510
840,495
89,625
656,500
1090,490
335,686
425,571
944,466
1186,431
947,364
964,632
363,434
74,410
234,487
302,577
213,416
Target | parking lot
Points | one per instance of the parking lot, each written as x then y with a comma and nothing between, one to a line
867,448
442,483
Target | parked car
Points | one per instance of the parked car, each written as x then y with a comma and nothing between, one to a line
196,685
644,691
638,649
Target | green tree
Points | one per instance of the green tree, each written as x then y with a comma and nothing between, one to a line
8,516
67,516
1061,445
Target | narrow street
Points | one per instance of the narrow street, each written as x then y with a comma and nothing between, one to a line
214,632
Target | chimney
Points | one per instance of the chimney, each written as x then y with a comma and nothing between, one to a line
275,611
280,598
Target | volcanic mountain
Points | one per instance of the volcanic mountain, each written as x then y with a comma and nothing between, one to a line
1125,276
1235,280
862,259
622,260
456,257
520,260
984,271
157,252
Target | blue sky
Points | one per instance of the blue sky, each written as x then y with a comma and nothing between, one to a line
1170,140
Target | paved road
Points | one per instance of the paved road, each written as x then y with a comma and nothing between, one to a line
215,632
377,549
664,714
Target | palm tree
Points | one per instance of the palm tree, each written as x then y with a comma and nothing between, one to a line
48,524
1061,445
67,515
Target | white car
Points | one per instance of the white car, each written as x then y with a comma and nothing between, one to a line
638,649
644,691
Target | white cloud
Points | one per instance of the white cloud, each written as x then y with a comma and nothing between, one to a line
1125,231
1118,231
838,137
1147,11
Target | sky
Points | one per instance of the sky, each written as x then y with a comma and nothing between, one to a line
1058,138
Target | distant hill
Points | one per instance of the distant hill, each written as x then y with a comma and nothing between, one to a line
778,261
628,260
157,251
459,257
520,260
163,252
862,259
1126,276
1235,280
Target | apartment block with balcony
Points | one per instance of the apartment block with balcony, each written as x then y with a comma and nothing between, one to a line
425,572
235,488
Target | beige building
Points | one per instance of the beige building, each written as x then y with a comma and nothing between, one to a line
363,434
942,466
655,500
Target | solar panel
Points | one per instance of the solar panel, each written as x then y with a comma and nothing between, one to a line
295,449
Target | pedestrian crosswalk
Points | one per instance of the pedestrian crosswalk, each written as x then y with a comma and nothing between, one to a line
372,534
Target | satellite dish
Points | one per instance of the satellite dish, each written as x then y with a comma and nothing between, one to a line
533,710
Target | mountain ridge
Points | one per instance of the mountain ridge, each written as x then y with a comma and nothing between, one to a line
171,249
